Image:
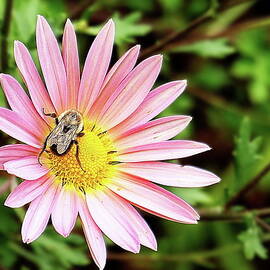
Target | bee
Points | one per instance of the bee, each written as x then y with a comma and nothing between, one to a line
69,126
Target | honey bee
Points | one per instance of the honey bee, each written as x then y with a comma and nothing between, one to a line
69,126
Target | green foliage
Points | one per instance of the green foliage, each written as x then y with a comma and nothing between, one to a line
252,241
216,48
254,63
246,155
127,28
219,77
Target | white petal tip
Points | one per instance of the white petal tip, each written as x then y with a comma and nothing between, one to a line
26,241
215,180
17,43
152,245
7,204
110,21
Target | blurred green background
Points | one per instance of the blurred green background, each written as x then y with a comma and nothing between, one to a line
223,49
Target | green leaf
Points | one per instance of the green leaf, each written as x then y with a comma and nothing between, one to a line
127,28
246,154
211,76
251,240
193,196
216,48
254,63
23,27
228,16
61,252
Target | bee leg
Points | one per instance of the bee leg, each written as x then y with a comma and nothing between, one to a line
53,115
80,134
77,155
39,155
42,151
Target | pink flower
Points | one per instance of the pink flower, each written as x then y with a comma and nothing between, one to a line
102,157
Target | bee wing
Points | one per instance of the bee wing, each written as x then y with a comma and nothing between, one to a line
64,141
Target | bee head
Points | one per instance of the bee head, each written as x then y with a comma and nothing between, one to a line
72,117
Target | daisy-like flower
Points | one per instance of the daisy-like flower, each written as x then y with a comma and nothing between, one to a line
89,147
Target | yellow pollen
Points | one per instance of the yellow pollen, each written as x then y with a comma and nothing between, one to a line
96,155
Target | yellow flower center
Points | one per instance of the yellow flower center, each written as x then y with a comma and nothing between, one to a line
86,165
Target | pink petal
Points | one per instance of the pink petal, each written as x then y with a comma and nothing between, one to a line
155,102
113,79
52,65
153,198
93,236
131,92
134,219
155,131
170,174
34,83
21,103
27,168
27,191
38,214
96,66
15,126
162,151
71,62
15,151
65,211
112,220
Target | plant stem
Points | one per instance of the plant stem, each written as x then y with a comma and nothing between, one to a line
190,256
180,35
263,224
231,216
252,183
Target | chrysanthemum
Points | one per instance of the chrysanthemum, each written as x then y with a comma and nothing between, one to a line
109,163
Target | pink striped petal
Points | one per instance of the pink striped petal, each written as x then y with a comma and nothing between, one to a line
65,211
27,168
52,65
155,102
153,198
145,234
155,131
27,191
15,151
34,83
71,62
95,67
93,234
113,79
170,174
162,151
134,219
15,126
131,92
112,220
38,214
21,103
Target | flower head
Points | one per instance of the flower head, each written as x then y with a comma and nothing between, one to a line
90,148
